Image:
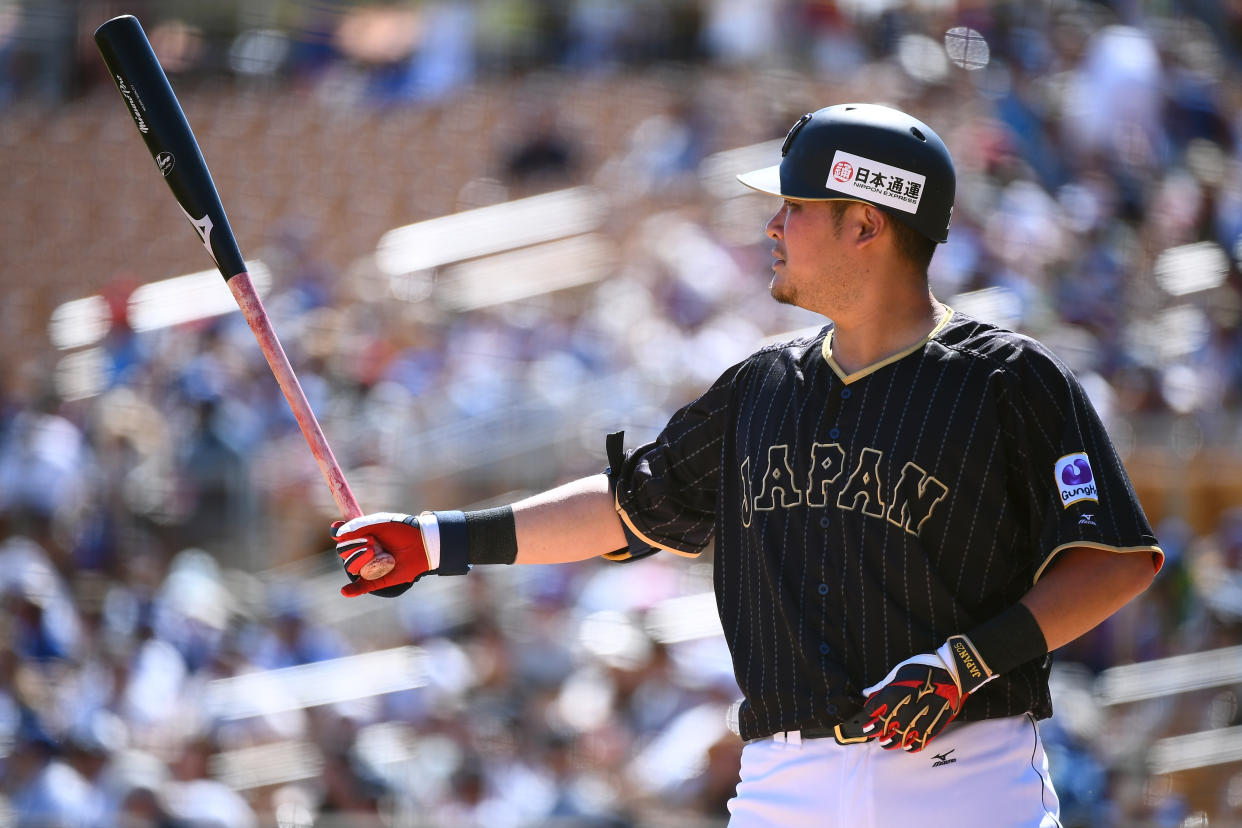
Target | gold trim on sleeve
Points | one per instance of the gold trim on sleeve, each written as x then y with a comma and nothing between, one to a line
626,520
1093,545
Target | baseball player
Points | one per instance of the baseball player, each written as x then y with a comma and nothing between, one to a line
910,510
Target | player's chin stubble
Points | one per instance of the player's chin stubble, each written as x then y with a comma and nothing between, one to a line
785,294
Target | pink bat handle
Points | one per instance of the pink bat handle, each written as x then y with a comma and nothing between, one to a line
252,308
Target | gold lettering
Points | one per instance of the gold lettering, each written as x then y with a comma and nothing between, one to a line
779,477
968,660
827,463
864,483
747,514
914,497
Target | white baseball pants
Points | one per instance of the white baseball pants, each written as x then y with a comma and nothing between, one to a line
989,774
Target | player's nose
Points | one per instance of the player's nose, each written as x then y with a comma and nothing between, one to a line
776,225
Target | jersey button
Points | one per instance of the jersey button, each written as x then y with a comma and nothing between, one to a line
823,589
824,649
823,522
845,393
834,433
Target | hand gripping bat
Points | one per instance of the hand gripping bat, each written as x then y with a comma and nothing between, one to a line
145,89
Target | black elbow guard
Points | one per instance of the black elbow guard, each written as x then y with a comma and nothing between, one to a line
620,463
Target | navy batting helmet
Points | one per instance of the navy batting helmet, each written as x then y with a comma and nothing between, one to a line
871,153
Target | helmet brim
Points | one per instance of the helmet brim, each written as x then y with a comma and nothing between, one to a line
765,180
768,180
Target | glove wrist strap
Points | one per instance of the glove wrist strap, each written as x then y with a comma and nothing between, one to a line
969,668
483,537
996,646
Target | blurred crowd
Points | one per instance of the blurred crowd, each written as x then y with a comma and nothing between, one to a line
163,532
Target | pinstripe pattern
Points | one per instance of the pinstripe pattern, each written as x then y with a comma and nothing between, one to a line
861,519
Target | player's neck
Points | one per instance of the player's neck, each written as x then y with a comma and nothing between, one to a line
872,334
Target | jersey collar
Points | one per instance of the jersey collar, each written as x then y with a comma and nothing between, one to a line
875,366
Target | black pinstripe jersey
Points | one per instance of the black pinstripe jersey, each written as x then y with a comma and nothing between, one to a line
861,519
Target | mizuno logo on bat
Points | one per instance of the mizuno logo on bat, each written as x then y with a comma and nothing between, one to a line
131,98
203,226
943,758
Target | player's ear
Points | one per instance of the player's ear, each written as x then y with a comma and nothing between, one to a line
869,222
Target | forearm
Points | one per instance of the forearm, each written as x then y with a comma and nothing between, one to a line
1083,588
572,522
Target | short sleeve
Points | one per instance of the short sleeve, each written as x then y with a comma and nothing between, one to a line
1064,465
668,491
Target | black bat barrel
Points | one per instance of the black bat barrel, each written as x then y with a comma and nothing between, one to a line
163,125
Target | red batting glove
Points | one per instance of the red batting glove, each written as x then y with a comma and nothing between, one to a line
358,540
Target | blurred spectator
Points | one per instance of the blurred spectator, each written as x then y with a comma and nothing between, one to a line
742,31
290,638
443,58
544,158
202,802
596,31
43,789
38,45
44,464
43,622
143,808
1113,107
663,154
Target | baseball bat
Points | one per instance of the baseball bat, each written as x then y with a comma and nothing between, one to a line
160,120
